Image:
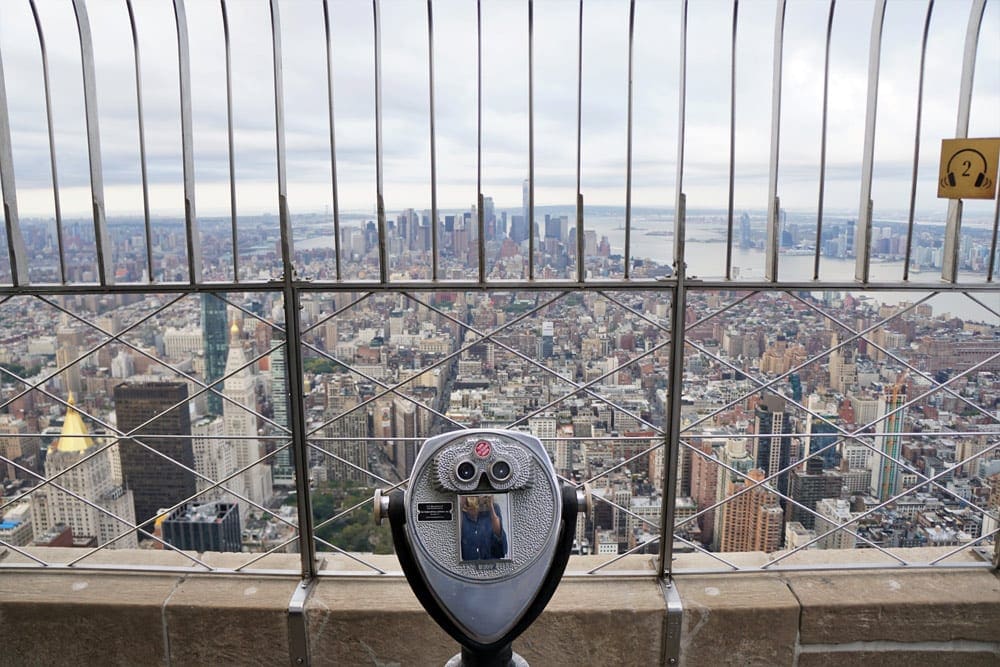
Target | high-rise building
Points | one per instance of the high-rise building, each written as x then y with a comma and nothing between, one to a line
885,469
239,413
545,347
85,472
215,458
808,487
822,435
205,527
16,449
752,520
283,470
834,512
348,433
772,449
213,331
150,410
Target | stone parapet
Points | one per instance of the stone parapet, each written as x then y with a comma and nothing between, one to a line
187,617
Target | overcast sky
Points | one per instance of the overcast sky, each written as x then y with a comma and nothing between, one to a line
505,103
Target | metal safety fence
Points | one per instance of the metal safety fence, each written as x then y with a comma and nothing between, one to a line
178,372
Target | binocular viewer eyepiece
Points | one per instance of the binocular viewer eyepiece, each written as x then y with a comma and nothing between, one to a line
483,533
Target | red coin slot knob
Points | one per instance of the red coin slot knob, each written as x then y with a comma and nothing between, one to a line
483,449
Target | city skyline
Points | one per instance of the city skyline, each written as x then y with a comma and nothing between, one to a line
505,142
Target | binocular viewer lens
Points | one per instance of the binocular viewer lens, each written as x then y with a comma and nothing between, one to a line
465,470
499,471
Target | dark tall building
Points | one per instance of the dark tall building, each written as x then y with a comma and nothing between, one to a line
773,452
283,472
809,488
215,334
205,527
156,483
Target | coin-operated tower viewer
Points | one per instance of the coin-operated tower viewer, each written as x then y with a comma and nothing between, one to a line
483,533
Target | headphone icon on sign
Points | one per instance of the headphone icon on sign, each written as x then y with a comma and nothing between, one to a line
967,169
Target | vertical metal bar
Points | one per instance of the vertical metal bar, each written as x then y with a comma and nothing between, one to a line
56,200
531,140
142,141
287,249
863,235
916,141
953,227
628,144
430,87
581,270
993,249
105,272
297,422
677,314
383,255
231,146
192,234
16,250
773,205
678,309
480,224
681,114
333,142
822,145
732,142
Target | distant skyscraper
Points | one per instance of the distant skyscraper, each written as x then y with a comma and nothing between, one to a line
283,471
526,205
885,471
751,521
746,240
808,487
215,458
350,430
545,347
241,422
156,482
772,451
205,527
91,478
213,328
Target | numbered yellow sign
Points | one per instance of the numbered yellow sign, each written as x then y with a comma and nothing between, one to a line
968,168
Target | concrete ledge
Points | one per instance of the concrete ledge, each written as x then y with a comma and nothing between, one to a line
918,606
737,620
886,618
83,618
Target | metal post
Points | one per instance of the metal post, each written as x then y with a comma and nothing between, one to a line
17,253
628,145
678,308
293,329
773,205
430,88
822,145
863,234
383,241
333,142
229,140
581,269
187,145
105,272
916,143
953,227
52,137
531,140
732,143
